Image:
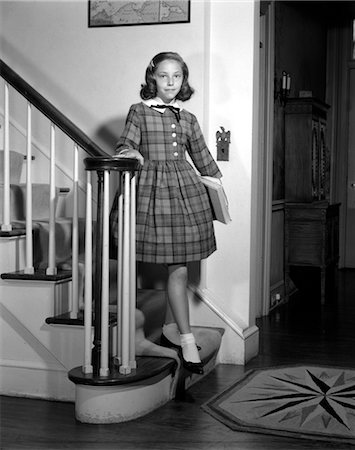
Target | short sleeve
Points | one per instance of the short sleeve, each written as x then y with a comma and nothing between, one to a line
131,136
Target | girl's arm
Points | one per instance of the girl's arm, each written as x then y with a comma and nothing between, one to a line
129,142
200,153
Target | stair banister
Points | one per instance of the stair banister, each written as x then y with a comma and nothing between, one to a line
75,235
125,308
126,279
132,272
50,111
126,168
104,357
119,267
52,269
102,163
87,367
57,120
6,225
29,243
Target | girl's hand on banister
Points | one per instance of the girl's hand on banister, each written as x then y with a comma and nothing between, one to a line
130,153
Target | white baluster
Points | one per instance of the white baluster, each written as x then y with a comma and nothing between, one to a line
125,366
132,273
119,268
29,242
104,367
75,237
87,367
51,269
6,225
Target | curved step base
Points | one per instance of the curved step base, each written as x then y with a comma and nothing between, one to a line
120,403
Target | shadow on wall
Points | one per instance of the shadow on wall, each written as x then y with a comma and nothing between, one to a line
105,136
109,133
33,74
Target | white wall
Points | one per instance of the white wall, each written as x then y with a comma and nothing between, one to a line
232,46
94,74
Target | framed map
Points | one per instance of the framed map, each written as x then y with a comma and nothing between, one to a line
114,13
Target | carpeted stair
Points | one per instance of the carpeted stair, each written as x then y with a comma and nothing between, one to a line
152,303
40,201
16,164
40,214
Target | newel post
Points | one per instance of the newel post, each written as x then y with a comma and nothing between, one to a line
126,168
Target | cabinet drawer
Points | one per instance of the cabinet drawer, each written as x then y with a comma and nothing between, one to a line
302,214
311,234
305,243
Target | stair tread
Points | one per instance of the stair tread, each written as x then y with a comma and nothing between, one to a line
39,275
147,367
68,319
14,232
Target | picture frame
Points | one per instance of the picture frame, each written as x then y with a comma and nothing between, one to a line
118,13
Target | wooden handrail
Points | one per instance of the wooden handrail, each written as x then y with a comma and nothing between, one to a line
50,111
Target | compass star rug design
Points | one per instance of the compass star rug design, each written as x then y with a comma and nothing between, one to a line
298,401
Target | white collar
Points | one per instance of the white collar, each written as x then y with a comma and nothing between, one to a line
158,101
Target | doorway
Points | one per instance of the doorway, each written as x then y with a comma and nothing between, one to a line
264,176
349,250
341,95
313,42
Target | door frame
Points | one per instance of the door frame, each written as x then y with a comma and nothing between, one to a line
349,255
338,52
265,154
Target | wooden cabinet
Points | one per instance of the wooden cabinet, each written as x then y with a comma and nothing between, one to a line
311,222
311,237
307,158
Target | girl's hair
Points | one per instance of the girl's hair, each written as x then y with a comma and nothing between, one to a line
149,90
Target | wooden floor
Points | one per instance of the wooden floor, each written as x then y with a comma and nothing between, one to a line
301,332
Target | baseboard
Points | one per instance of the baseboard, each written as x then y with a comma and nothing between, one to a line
240,342
35,380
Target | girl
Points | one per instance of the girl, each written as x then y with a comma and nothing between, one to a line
174,219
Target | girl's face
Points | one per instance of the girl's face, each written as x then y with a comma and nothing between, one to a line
168,77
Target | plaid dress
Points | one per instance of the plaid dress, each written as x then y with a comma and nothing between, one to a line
174,218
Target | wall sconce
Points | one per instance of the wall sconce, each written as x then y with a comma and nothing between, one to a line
282,88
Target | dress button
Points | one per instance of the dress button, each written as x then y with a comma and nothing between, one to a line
176,154
173,134
173,125
174,144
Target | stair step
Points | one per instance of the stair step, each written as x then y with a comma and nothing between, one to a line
40,201
68,319
149,301
13,233
39,275
147,367
16,166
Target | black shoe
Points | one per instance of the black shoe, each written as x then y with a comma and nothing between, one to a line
192,367
165,342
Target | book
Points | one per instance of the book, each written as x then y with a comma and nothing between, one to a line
218,199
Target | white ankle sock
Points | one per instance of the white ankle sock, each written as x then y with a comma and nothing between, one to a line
171,331
189,349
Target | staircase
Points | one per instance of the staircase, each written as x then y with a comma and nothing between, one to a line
43,339
42,344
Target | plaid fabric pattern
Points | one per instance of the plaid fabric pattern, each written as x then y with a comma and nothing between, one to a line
174,219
